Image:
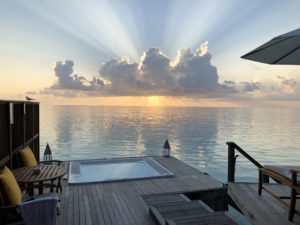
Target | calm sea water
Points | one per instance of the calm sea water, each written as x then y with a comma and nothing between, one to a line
197,136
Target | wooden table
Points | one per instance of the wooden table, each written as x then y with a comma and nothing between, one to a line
25,176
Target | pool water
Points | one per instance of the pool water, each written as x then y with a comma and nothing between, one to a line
115,170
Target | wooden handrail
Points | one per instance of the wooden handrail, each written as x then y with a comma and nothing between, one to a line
232,159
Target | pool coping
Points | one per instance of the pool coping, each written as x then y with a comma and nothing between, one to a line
154,164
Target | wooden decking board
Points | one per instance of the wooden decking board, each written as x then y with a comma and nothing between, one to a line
253,203
92,196
100,207
110,210
82,216
119,206
185,209
133,212
255,198
123,199
179,210
258,204
185,215
97,206
213,219
104,210
121,202
275,209
127,211
264,209
76,208
143,209
70,210
117,209
162,200
139,213
65,203
209,219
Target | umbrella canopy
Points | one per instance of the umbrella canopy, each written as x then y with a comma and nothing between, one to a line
283,49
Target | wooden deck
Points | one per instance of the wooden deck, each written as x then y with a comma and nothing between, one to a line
264,209
121,202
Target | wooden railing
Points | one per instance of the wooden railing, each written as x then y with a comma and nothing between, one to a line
232,160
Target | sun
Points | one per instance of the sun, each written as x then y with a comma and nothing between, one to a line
153,101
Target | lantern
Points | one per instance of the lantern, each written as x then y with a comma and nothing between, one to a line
167,149
47,153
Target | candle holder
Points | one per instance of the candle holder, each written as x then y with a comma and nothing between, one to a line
166,149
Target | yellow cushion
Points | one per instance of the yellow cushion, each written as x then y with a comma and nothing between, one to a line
28,157
11,189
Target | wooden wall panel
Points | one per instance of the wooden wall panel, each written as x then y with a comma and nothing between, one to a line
24,130
18,125
4,133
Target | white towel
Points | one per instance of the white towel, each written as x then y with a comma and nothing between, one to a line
39,211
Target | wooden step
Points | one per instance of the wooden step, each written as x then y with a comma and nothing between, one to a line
172,209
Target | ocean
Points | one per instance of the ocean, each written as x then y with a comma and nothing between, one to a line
197,136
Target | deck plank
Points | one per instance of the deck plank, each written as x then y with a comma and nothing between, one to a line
76,207
82,220
98,209
264,209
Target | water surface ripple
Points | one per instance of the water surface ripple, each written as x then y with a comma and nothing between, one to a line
197,136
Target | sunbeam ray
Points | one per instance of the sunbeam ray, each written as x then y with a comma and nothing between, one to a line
94,23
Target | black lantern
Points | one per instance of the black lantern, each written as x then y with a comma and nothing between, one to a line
167,148
47,153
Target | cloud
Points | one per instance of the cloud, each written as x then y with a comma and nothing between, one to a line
31,93
59,92
287,86
251,86
190,74
195,71
155,74
203,49
121,76
228,86
67,80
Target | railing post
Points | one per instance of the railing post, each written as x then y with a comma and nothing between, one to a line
231,162
265,179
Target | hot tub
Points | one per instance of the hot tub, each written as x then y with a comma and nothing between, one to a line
108,170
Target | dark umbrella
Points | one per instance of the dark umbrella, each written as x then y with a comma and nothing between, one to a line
283,49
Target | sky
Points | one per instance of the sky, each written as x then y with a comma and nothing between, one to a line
145,53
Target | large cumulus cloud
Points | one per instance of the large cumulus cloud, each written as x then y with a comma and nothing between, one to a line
190,74
196,72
